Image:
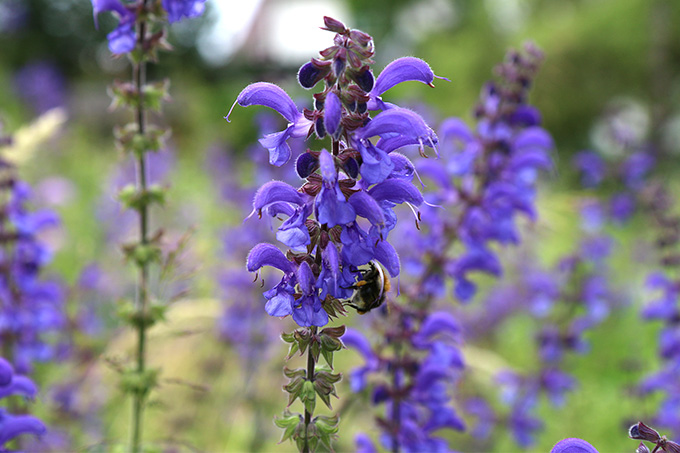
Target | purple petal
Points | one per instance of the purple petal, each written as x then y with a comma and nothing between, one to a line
402,70
332,208
455,128
12,426
533,137
403,167
6,372
366,206
354,339
399,121
327,166
276,191
438,323
332,113
265,254
385,253
122,39
279,150
20,385
305,278
396,191
268,95
573,445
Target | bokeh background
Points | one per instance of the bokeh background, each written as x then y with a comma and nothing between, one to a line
602,56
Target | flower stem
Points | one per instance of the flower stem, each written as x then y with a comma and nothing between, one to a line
310,377
396,410
139,397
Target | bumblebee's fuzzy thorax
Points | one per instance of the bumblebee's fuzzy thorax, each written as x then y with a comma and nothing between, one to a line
371,290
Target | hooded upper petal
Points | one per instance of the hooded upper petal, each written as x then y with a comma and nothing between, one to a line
402,70
276,191
396,191
269,95
265,254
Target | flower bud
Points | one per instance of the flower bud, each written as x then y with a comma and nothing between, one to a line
334,25
308,75
305,165
643,432
365,79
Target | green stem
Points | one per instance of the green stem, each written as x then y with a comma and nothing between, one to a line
310,377
142,300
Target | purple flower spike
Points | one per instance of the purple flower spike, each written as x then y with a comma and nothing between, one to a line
332,114
264,254
573,445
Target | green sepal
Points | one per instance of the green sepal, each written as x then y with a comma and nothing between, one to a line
324,385
315,349
155,93
308,396
137,200
140,383
330,342
294,346
303,339
155,313
333,307
129,140
327,429
290,423
142,254
295,389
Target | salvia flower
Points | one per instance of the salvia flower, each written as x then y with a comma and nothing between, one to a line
11,425
340,217
427,367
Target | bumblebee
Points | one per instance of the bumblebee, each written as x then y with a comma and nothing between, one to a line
371,290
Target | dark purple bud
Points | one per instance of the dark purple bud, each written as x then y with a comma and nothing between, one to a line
335,25
642,448
318,103
338,65
309,75
362,107
380,394
352,106
361,38
319,128
643,432
305,165
573,445
365,79
351,167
